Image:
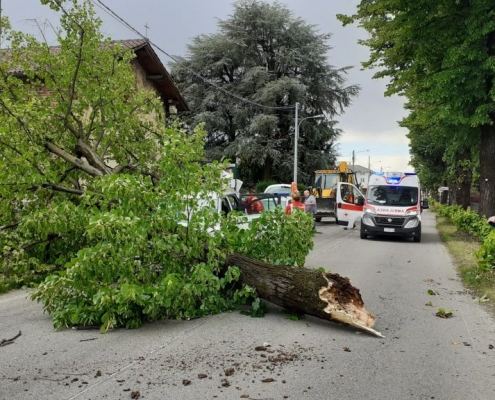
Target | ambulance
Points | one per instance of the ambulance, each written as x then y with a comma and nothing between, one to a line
392,205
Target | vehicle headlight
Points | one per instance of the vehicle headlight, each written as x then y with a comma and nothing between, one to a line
413,223
369,211
412,212
367,220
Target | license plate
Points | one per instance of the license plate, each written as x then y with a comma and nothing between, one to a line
388,230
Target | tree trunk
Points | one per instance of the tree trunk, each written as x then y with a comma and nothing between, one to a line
464,178
267,170
444,197
453,192
464,194
487,171
309,291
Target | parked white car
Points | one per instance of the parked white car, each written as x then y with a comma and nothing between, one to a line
282,191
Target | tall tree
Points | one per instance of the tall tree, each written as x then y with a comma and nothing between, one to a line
263,54
444,154
440,53
440,159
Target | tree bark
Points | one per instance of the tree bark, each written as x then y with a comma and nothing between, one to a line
267,169
487,171
77,162
444,197
324,295
85,150
463,180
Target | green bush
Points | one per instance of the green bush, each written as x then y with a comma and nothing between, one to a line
470,222
486,253
466,220
262,185
302,187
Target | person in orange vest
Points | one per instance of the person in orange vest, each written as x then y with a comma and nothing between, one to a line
254,205
295,203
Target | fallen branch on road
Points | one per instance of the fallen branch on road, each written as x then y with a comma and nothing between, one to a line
5,342
324,295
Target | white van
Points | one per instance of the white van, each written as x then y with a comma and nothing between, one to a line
392,205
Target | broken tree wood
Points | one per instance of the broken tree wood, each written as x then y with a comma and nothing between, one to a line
321,294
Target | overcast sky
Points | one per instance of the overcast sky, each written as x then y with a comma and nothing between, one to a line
370,123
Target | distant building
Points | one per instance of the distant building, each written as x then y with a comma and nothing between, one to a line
362,175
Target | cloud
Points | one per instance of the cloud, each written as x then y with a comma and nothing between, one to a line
387,150
385,138
378,162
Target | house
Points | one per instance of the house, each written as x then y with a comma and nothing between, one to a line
151,73
149,70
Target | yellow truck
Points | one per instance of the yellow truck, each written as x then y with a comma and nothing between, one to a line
325,186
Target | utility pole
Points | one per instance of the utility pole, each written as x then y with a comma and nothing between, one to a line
296,138
369,166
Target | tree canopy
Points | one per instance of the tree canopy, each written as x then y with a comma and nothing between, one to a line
265,55
94,186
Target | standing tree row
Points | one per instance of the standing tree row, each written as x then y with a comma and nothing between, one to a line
440,56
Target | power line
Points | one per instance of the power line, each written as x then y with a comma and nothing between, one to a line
113,14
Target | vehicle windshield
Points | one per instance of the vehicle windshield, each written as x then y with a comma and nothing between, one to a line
327,181
278,189
392,195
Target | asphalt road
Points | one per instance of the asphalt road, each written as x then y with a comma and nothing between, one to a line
421,357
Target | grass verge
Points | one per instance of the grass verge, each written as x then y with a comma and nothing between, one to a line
462,248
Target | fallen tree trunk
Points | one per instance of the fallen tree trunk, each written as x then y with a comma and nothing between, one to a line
308,291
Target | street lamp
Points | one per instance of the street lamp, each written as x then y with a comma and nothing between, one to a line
296,139
354,156
382,167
